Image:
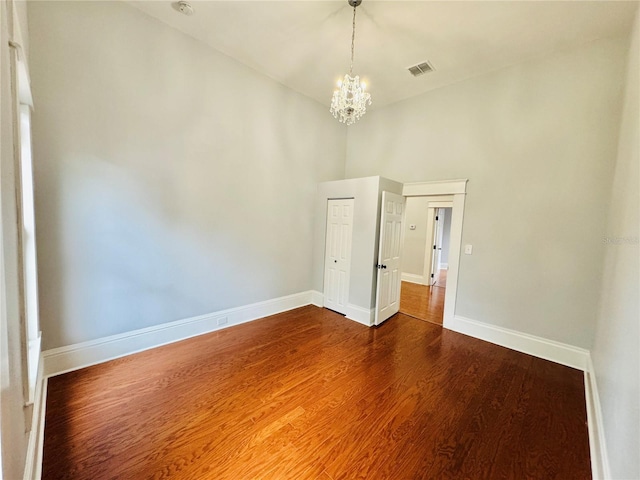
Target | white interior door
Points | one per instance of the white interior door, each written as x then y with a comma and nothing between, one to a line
434,239
435,245
337,259
440,240
389,256
430,247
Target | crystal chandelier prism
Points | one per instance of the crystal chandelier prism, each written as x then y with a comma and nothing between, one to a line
350,100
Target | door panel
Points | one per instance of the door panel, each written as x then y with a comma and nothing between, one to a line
389,256
338,254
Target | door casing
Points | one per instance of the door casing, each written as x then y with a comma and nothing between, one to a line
456,189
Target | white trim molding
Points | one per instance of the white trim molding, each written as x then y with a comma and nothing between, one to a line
73,357
33,463
557,352
413,278
600,469
365,316
317,298
446,187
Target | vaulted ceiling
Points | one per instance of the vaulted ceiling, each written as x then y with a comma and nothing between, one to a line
305,45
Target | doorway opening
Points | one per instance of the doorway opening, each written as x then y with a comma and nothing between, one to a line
427,239
428,197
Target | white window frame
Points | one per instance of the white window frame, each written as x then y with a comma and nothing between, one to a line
29,256
27,259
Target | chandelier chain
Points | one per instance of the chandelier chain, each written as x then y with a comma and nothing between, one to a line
353,39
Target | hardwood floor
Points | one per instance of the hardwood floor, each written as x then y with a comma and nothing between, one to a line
423,302
308,394
441,279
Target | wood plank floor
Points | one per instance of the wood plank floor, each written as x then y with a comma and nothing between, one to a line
308,394
424,302
441,279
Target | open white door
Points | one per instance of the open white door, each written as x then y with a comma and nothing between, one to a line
434,239
389,253
435,246
430,246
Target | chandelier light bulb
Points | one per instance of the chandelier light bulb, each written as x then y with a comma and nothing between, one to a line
349,103
350,100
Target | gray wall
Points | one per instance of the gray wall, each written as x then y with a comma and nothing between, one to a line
537,142
415,241
171,181
12,414
616,348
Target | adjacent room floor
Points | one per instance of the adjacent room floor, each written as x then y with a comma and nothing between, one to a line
424,302
308,394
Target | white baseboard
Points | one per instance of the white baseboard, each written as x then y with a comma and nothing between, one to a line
361,315
33,464
412,278
597,445
80,355
522,342
354,312
317,298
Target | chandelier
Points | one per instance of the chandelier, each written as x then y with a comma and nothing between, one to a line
349,101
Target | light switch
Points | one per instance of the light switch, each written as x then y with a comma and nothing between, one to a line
468,249
412,227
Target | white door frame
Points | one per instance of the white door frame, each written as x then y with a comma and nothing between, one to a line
458,189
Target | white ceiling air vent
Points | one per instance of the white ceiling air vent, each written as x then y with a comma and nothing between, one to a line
421,68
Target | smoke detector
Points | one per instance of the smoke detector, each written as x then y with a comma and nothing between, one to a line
184,8
421,69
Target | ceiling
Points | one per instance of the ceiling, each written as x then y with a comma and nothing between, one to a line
305,45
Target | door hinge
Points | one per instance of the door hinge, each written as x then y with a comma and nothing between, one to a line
436,218
434,247
432,275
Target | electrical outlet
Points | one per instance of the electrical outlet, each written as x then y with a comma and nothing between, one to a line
223,321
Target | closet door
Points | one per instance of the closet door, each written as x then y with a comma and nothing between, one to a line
337,259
